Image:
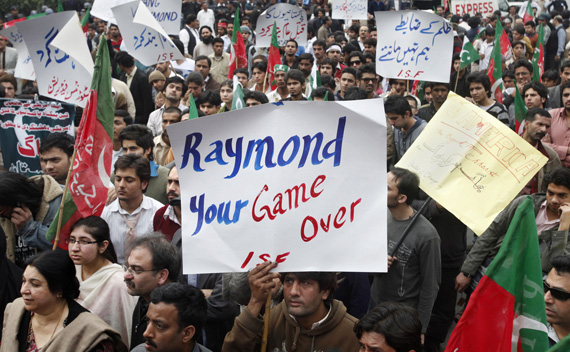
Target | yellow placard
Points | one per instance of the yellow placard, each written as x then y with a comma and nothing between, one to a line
471,163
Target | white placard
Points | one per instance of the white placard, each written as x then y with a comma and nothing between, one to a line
24,66
350,9
167,13
414,45
143,36
102,9
60,56
291,22
299,183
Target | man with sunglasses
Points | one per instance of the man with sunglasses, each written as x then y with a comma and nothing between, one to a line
557,299
552,214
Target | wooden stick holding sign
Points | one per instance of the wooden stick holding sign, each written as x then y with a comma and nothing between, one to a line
409,227
266,322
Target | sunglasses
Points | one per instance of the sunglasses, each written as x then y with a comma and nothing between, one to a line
556,292
355,62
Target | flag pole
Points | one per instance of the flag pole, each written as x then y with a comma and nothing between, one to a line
456,80
56,240
409,227
265,80
266,319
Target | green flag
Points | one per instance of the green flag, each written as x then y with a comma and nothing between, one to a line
59,6
520,110
468,53
538,56
326,96
193,114
237,100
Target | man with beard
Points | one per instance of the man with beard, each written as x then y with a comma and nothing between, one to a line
556,137
536,126
116,38
162,146
152,262
319,51
281,92
173,94
439,92
289,57
176,315
552,215
168,219
204,48
306,61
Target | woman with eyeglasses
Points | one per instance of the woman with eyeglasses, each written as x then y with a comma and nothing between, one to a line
47,318
102,287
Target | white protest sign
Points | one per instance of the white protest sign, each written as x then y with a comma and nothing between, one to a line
291,22
102,9
350,9
24,66
166,12
485,7
298,183
60,56
144,38
414,45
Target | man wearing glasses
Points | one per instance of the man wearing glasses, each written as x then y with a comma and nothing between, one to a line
556,299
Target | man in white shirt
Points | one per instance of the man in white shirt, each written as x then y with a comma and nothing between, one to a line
206,16
189,35
173,95
131,214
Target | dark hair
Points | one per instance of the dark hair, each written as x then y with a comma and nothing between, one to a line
255,95
128,119
195,77
241,70
509,73
356,54
561,264
531,114
559,177
306,56
59,271
368,68
320,43
189,302
217,40
178,44
141,135
227,83
174,79
397,104
204,57
173,109
210,96
530,23
354,28
260,65
399,324
538,87
552,75
17,189
164,254
295,75
490,31
293,41
350,71
328,81
124,59
8,78
137,162
519,42
321,92
370,41
480,77
63,141
408,182
326,280
564,65
190,18
207,27
522,62
519,28
355,93
99,229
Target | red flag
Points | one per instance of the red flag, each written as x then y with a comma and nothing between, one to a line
274,57
528,14
238,57
505,45
494,71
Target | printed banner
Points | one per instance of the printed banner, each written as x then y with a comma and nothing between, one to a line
414,45
23,124
299,183
471,163
291,22
24,66
144,38
471,7
350,9
60,56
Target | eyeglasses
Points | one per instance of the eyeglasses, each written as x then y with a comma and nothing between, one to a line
132,271
371,79
556,292
73,241
355,62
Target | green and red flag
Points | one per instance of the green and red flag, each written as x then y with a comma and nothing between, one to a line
237,99
520,112
274,58
86,191
528,14
538,56
85,19
468,54
506,312
238,58
495,70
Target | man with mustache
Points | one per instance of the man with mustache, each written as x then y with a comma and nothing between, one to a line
556,137
176,315
167,219
556,299
536,126
152,262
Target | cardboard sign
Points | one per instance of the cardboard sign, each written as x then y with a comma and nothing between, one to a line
299,183
144,38
23,124
471,163
24,66
291,22
350,9
60,56
414,45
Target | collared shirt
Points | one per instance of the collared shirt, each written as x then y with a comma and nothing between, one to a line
220,66
274,96
130,76
318,323
116,155
559,134
542,222
170,214
552,334
160,150
113,215
155,119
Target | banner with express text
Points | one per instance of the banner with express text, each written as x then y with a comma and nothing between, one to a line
414,45
298,183
23,124
471,163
